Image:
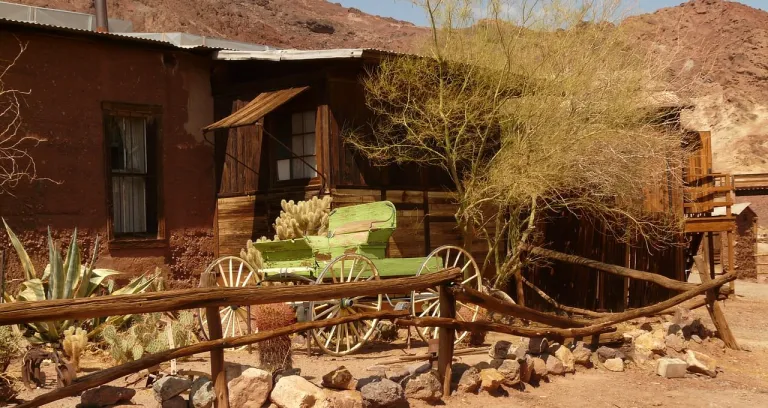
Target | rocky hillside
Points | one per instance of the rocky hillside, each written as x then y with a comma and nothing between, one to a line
726,44
283,23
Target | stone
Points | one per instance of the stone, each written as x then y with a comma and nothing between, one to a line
251,389
496,362
339,399
671,367
284,373
701,363
499,349
605,353
675,342
425,387
469,380
202,394
582,355
420,368
398,375
510,369
553,347
175,402
526,370
672,328
646,326
382,394
554,366
566,357
640,356
696,338
105,395
490,379
539,369
233,370
517,353
340,379
651,342
169,387
292,391
538,345
614,364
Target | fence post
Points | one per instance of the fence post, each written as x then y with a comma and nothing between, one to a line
446,336
218,374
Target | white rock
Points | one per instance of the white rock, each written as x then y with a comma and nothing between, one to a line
671,367
294,391
701,363
251,389
614,364
651,342
566,357
339,399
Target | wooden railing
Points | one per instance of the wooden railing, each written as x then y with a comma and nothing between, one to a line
702,194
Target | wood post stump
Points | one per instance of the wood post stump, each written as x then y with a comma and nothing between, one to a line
218,374
713,306
446,336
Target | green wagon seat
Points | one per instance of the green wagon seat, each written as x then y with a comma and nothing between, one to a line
364,229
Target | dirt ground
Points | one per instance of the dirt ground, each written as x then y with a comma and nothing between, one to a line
743,381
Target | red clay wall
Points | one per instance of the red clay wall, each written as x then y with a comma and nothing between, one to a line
69,78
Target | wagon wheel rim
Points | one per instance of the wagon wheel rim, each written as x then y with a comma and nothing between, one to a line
343,339
427,304
231,272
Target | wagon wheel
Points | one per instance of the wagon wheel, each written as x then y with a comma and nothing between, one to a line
345,338
233,272
427,304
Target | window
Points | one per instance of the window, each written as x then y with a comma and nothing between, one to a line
302,144
132,164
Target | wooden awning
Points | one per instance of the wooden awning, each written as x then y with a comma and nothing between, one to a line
257,108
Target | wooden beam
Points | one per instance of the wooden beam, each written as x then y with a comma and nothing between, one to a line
86,308
446,339
110,374
713,306
469,295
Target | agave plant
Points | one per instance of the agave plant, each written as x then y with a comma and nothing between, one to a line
66,278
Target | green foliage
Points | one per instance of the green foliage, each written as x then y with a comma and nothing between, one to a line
148,334
66,278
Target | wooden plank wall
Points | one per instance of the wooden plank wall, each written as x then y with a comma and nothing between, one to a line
238,157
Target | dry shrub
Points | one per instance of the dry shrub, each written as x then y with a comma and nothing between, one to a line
274,354
10,346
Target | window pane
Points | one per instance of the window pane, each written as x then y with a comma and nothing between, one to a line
129,208
309,121
310,171
296,123
309,144
128,144
297,167
284,169
297,145
138,150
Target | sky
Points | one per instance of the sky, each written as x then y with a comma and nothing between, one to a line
404,10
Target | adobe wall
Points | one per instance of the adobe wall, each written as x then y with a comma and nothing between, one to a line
68,79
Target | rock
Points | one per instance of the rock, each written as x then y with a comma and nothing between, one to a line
651,342
672,328
398,375
696,338
233,370
691,327
339,399
490,379
320,27
553,347
420,368
340,379
538,345
646,326
614,364
517,353
382,394
605,353
499,349
169,387
292,391
635,333
566,358
539,369
285,373
526,370
175,402
701,363
202,395
582,355
105,395
555,366
510,369
251,389
425,387
469,380
675,342
496,362
671,367
640,356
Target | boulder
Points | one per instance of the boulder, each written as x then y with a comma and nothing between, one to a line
510,369
554,366
499,349
420,368
614,364
339,399
671,367
201,394
651,342
292,391
566,358
469,380
340,379
105,395
251,389
169,387
526,370
233,370
640,355
518,353
175,402
538,345
382,394
490,379
701,363
539,369
284,373
582,355
398,375
425,387
672,328
605,353
675,342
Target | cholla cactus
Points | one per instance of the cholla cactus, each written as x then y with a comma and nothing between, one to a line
75,341
252,255
304,218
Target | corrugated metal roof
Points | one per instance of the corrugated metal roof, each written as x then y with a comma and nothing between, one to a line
256,109
298,55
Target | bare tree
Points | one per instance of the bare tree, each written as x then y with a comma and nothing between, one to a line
16,164
536,107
